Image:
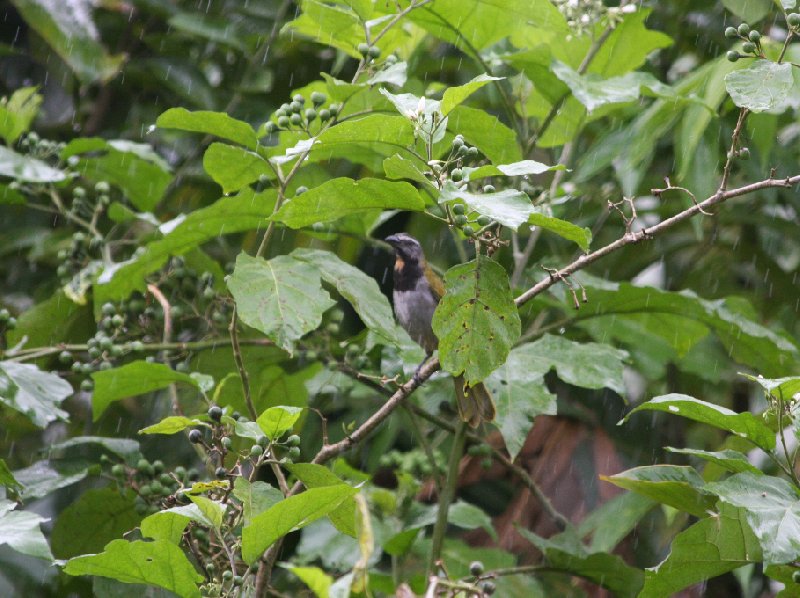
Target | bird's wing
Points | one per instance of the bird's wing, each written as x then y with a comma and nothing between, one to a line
436,283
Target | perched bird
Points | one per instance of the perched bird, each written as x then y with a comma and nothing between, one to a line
417,290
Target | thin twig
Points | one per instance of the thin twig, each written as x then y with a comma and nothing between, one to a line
165,338
237,357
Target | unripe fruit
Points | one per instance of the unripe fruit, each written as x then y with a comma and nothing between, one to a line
118,470
296,106
744,153
793,19
732,56
488,189
117,320
226,442
748,47
456,174
102,187
468,230
221,473
293,440
476,568
324,115
473,151
363,49
318,98
262,441
300,190
270,127
87,385
295,119
256,451
796,577
238,580
334,109
227,575
460,220
374,52
65,357
108,309
459,208
754,36
294,452
311,114
731,32
283,121
488,588
195,436
743,29
484,220
299,98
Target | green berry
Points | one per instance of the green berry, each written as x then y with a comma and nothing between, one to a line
748,47
324,115
118,470
226,442
256,450
296,119
262,441
227,575
136,346
210,566
473,151
295,107
744,154
363,49
318,98
283,121
142,465
334,109
754,36
215,413
731,32
87,385
301,189
116,351
459,208
796,577
374,52
281,112
238,580
488,189
102,187
145,491
486,463
195,436
221,473
293,440
793,19
77,367
488,587
458,141
270,127
391,59
299,99
457,174
468,230
732,56
108,309
311,114
4,315
293,452
156,487
476,568
743,29
65,357
484,221
117,320
460,220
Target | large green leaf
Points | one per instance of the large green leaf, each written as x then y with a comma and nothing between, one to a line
247,210
133,167
673,485
20,530
366,140
46,476
57,319
521,168
7,479
772,509
783,389
159,563
234,167
291,513
70,30
26,169
132,379
312,475
712,546
565,553
32,392
276,421
282,297
487,133
360,290
764,85
476,321
509,207
730,460
256,497
88,524
749,11
341,197
745,424
218,124
453,96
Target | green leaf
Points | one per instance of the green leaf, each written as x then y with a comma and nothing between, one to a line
215,30
782,389
70,30
565,553
171,424
751,11
167,525
360,290
677,486
159,563
57,319
772,509
365,140
130,380
17,113
609,523
468,516
397,167
571,232
341,197
487,133
20,530
453,96
289,514
246,211
744,424
712,546
218,124
141,174
213,511
730,460
7,478
123,447
46,476
26,169
88,524
256,497
521,168
476,321
509,207
763,85
276,421
282,297
233,168
318,476
10,196
334,25
32,392
315,578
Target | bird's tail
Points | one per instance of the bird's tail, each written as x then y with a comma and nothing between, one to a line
475,403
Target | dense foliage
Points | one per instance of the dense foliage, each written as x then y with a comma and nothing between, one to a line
202,386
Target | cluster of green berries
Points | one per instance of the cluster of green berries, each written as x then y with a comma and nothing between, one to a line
414,462
751,45
40,148
369,52
152,483
462,220
7,321
481,450
296,114
476,570
462,151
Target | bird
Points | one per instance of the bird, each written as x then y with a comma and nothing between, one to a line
417,291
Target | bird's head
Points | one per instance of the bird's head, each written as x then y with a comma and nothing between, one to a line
406,249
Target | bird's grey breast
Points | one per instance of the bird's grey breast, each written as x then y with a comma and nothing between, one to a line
414,310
